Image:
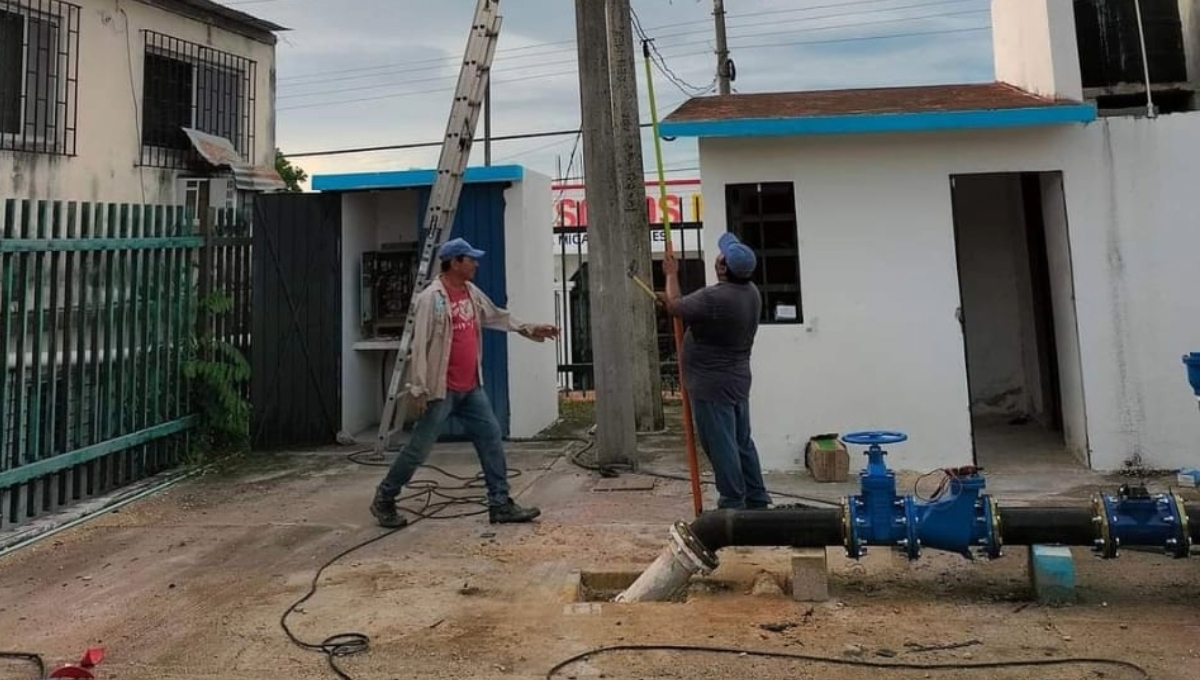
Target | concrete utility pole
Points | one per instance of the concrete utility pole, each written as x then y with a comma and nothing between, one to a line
647,379
723,74
608,282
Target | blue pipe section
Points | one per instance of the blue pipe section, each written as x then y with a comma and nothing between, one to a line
1135,517
1192,361
960,520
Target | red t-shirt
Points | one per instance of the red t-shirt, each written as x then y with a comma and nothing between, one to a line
463,373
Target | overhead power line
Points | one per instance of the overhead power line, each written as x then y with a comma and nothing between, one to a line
559,55
746,48
569,45
429,144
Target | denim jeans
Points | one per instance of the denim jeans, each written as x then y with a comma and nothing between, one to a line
724,432
474,410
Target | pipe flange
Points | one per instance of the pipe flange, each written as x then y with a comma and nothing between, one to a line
850,538
995,544
690,547
1182,546
912,527
1105,546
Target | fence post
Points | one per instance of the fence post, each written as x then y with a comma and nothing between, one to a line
205,213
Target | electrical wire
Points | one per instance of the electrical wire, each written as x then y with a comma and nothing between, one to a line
437,500
613,470
983,665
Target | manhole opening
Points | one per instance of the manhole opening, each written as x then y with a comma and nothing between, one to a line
604,586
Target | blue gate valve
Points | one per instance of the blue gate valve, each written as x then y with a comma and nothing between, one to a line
958,521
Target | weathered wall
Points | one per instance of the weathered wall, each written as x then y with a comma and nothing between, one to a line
106,164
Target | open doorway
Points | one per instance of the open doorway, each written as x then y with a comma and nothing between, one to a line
1018,320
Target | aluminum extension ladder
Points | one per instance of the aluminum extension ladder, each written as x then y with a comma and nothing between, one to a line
447,187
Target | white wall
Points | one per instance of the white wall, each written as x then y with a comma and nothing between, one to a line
1034,46
369,219
1066,322
109,95
883,348
529,277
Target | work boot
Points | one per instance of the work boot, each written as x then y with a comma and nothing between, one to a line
385,513
511,513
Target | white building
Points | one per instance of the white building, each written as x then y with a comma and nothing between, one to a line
502,211
962,258
95,96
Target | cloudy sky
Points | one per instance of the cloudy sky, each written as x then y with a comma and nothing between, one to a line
360,73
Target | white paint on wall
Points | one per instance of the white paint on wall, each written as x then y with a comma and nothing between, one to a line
109,104
883,348
529,277
1066,322
1034,46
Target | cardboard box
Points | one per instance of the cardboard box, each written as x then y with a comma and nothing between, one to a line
827,459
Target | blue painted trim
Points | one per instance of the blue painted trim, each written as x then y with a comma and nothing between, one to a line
882,122
408,179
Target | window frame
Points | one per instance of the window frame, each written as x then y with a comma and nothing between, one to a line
241,71
740,222
52,133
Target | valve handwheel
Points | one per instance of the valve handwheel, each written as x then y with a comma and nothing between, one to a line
874,437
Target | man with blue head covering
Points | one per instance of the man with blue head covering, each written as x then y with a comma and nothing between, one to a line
722,321
445,378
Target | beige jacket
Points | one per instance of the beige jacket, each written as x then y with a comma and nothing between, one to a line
432,335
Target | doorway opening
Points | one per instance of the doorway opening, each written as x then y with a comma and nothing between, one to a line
1018,320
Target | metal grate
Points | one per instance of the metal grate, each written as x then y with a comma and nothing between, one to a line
186,85
39,76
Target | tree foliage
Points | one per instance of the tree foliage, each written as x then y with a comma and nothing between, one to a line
293,175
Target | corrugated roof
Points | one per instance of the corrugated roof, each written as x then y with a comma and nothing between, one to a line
919,99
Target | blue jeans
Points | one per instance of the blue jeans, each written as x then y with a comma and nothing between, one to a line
474,410
724,432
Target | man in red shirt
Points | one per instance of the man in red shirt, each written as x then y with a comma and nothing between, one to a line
445,378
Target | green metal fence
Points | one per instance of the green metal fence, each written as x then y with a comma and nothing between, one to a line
97,316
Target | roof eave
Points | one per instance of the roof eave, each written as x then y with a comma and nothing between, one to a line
227,18
874,123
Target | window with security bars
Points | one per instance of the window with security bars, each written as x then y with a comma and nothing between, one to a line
186,85
39,66
763,216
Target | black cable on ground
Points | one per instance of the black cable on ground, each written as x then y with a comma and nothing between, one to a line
35,659
982,665
437,499
611,470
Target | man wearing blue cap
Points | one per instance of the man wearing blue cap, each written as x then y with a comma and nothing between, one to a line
445,378
722,321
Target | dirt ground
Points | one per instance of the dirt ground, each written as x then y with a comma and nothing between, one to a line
192,584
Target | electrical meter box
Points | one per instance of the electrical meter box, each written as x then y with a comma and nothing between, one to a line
388,277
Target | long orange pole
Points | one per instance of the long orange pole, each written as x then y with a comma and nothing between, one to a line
677,323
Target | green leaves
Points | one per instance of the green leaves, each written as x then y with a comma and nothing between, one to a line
217,375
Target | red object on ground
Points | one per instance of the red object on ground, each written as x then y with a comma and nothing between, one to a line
92,657
71,671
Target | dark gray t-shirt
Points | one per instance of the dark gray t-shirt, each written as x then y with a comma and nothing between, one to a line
722,321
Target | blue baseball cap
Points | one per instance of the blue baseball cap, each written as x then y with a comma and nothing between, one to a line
740,260
459,247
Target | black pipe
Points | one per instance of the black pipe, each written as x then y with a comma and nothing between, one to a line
1061,525
790,527
818,527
